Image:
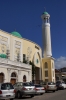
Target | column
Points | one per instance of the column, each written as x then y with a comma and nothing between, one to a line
9,71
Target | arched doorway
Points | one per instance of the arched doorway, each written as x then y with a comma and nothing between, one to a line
24,78
1,77
13,78
36,73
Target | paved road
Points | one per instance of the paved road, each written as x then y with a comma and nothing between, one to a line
58,95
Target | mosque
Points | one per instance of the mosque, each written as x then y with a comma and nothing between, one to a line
22,60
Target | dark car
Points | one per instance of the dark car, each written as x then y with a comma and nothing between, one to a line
60,85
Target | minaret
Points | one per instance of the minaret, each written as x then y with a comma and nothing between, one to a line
47,52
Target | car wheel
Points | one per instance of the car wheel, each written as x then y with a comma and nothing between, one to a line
32,96
57,89
18,95
46,91
41,94
54,91
63,88
12,99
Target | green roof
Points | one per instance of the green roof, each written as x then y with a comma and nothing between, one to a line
45,13
3,55
16,34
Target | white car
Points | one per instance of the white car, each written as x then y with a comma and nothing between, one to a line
39,89
7,91
24,89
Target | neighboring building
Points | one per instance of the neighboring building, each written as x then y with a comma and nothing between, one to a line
63,71
15,55
48,67
58,75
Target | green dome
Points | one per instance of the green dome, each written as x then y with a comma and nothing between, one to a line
45,13
3,55
16,34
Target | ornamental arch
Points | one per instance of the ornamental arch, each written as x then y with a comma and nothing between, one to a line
13,77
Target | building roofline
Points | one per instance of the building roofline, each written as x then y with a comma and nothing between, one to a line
21,38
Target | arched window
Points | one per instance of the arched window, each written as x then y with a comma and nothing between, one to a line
24,78
1,77
13,78
45,65
13,75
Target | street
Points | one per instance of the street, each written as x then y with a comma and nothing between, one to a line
58,95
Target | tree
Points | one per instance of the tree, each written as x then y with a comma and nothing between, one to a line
33,69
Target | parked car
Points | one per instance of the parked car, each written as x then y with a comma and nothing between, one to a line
49,86
39,89
7,91
24,88
60,85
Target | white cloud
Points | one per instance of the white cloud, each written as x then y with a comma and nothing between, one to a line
60,62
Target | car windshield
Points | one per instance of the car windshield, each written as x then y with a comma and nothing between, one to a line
58,82
28,84
63,82
6,86
38,85
51,83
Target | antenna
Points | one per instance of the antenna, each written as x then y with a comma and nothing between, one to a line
15,29
44,8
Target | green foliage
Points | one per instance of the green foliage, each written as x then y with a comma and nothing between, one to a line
33,68
25,61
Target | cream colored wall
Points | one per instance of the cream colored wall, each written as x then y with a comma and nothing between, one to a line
34,55
23,48
13,47
53,70
4,41
50,69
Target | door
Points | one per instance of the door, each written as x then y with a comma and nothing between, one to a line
1,77
13,81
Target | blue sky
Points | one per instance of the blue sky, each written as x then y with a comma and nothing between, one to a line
25,17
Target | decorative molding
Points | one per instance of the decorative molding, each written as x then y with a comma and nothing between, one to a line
8,69
17,43
19,72
3,48
3,42
14,64
17,46
29,51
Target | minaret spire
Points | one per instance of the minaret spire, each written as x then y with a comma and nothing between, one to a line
47,52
